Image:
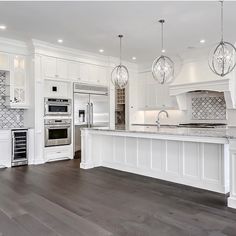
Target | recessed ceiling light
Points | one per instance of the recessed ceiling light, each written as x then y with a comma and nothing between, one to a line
101,50
163,50
60,40
134,58
202,41
3,27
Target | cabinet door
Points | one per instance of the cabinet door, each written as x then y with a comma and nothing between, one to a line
141,87
62,69
74,70
98,75
4,61
5,147
151,96
50,67
85,72
19,80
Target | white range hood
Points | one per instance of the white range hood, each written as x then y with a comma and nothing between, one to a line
227,86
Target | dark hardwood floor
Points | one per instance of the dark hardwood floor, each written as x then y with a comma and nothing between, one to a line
61,199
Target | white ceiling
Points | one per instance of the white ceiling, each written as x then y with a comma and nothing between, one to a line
90,26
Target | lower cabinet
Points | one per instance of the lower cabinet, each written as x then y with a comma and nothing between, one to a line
58,153
5,147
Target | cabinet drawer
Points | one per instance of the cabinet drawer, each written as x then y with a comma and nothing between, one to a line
58,153
5,135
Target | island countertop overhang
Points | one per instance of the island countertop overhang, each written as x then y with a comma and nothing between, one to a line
220,135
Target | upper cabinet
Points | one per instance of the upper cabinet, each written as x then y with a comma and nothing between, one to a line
55,68
17,82
4,61
74,70
93,74
152,95
60,69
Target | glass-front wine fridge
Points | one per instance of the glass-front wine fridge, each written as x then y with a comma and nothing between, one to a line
19,147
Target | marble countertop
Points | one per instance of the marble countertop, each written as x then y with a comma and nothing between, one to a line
228,133
14,128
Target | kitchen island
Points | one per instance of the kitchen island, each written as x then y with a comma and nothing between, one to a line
202,158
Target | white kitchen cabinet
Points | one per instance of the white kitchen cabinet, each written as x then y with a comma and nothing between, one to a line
58,153
152,95
93,74
55,68
17,83
99,75
4,61
5,147
74,71
141,91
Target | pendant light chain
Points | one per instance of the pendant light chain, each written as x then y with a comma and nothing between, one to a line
162,36
120,36
222,20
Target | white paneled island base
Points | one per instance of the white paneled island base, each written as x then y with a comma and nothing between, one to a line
201,162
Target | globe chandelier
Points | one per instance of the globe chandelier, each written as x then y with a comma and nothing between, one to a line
222,57
120,74
163,66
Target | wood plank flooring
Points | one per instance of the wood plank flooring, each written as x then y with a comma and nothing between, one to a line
61,199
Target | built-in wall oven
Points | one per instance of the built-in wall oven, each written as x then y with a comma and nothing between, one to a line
57,132
57,107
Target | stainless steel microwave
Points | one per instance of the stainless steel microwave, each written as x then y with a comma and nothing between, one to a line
57,107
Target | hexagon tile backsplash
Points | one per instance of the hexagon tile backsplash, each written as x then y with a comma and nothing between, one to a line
9,118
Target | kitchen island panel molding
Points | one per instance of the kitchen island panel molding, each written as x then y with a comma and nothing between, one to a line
196,164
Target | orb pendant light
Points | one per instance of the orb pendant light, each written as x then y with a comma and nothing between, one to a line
120,74
222,57
163,66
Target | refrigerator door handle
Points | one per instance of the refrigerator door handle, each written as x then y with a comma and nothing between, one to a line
88,115
91,113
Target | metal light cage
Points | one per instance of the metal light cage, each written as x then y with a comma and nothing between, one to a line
222,57
120,74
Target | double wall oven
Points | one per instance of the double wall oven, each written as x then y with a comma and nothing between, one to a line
57,123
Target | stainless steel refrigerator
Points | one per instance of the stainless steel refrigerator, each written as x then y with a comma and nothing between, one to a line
91,110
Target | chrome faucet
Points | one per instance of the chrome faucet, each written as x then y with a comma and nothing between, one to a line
158,117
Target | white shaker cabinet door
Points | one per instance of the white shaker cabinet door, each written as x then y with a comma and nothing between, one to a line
74,70
5,147
62,69
50,67
99,75
85,72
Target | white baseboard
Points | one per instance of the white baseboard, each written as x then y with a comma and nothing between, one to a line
232,202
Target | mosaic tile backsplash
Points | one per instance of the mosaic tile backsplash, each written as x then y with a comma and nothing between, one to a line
9,118
212,107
